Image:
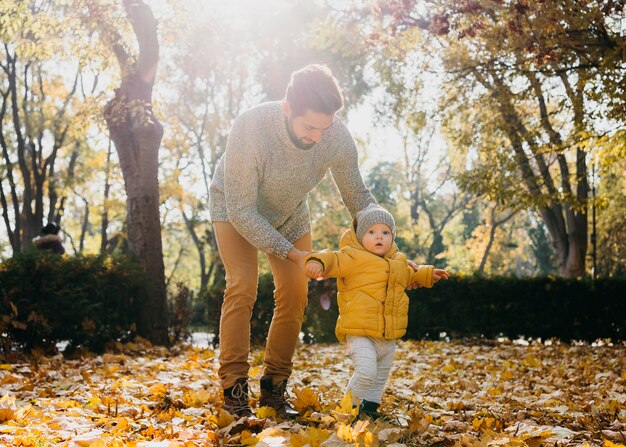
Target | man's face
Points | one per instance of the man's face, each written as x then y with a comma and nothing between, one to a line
378,239
308,128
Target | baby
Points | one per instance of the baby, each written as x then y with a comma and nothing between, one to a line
372,276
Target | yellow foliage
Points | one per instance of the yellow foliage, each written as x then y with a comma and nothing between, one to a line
532,361
347,403
306,398
312,437
448,368
418,422
222,419
506,375
248,438
197,398
7,408
266,412
159,390
345,433
608,443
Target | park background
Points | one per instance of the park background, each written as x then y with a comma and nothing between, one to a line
493,130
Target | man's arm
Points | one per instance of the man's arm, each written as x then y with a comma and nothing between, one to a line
241,180
346,174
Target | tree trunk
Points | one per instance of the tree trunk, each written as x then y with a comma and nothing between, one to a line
567,228
492,236
104,239
137,134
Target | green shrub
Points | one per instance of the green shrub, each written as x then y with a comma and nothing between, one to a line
543,307
472,306
86,300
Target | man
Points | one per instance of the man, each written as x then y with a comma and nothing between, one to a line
276,153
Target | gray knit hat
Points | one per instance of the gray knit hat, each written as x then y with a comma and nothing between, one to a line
370,215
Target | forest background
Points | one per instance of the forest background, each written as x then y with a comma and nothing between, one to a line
494,131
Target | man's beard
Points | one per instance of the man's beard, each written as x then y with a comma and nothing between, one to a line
299,144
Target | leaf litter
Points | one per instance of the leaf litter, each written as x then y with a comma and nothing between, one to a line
459,393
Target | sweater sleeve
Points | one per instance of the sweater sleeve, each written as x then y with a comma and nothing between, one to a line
423,275
346,174
241,181
333,262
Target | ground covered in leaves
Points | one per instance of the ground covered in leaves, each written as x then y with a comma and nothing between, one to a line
440,394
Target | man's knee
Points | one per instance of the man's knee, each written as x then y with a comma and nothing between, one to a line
293,297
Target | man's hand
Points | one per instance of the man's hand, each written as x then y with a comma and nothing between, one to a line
297,257
438,274
313,270
415,284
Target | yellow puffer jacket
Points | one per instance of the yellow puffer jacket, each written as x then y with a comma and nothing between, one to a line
371,296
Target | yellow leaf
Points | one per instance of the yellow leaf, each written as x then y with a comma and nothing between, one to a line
494,391
7,408
345,433
93,441
110,370
6,367
419,422
158,390
266,412
248,438
197,398
608,443
117,424
93,401
306,398
449,368
6,414
347,403
370,439
223,418
532,361
506,375
312,437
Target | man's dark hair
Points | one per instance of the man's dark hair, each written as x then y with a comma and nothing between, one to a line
314,87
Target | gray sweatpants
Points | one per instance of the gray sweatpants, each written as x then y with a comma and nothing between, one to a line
372,362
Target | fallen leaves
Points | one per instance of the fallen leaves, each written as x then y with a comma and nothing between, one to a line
444,394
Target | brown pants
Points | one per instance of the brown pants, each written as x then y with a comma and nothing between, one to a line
290,297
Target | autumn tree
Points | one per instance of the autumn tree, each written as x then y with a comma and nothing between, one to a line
610,206
137,133
42,117
541,78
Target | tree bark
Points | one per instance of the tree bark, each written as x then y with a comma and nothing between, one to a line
567,228
104,238
492,235
137,134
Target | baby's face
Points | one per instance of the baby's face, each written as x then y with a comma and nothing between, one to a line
378,239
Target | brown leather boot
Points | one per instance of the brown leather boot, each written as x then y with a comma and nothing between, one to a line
275,396
236,399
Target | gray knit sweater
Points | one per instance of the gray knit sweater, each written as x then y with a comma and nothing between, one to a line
262,181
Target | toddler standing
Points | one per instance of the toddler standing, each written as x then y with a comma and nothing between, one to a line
372,276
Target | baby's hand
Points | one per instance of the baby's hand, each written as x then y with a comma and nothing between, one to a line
313,270
438,274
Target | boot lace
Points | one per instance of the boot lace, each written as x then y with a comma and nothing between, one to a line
239,397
